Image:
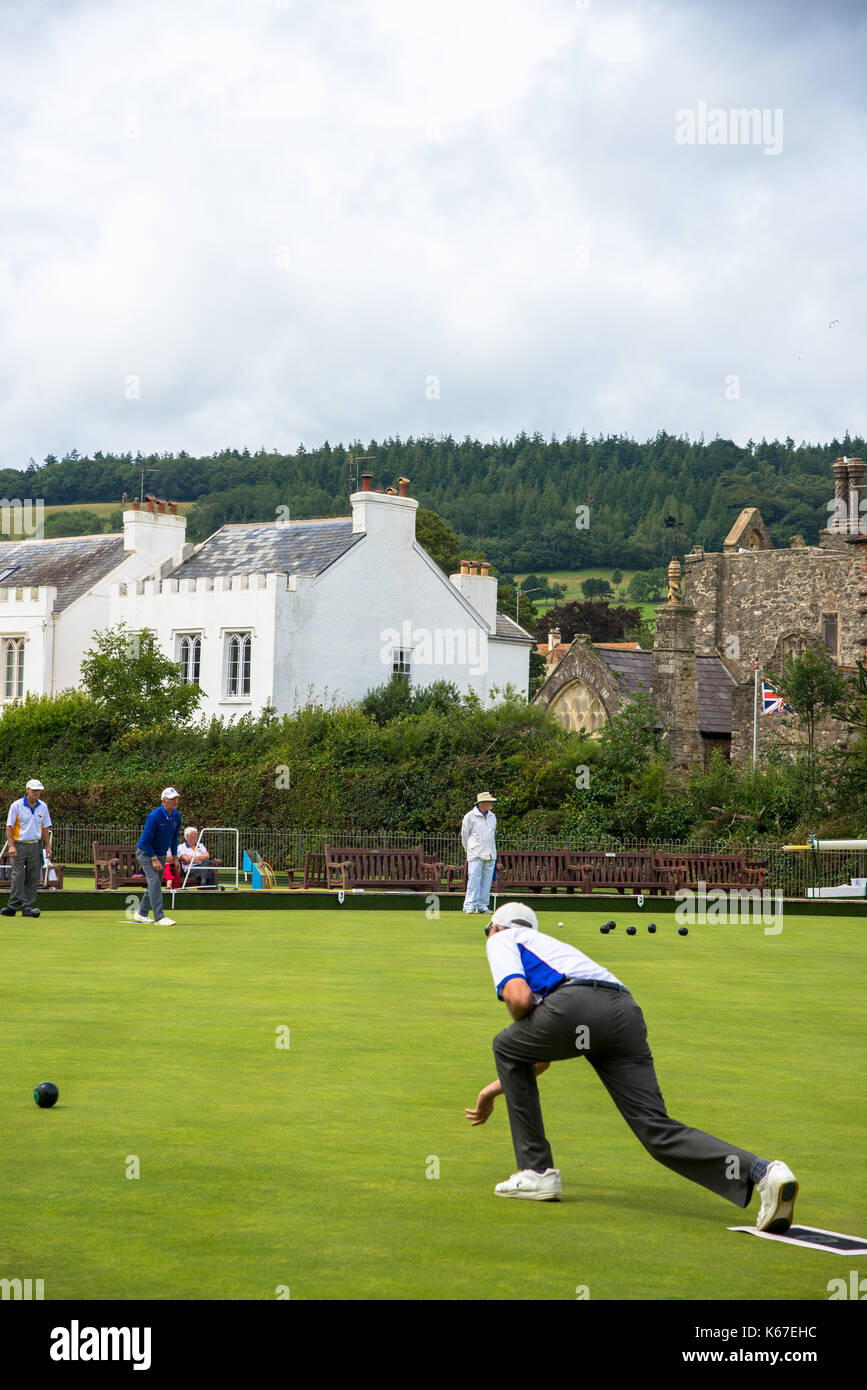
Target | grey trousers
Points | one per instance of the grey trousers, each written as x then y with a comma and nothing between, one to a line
26,869
607,1027
153,897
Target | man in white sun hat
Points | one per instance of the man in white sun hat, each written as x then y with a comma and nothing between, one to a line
565,1005
157,843
27,824
478,836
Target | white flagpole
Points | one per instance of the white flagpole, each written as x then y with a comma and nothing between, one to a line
755,708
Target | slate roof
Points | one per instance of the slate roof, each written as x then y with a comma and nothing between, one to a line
715,684
296,547
72,564
511,631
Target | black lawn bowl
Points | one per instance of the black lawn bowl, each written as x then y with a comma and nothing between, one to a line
45,1094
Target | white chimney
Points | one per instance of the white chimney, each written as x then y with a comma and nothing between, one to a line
384,517
153,536
480,590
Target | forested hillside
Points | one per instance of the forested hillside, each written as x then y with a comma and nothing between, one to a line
513,502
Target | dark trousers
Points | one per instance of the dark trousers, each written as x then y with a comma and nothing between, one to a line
26,872
607,1027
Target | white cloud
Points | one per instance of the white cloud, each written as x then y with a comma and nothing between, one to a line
283,218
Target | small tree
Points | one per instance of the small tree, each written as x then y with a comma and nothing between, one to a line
814,687
850,777
599,620
596,588
439,540
76,521
647,587
128,675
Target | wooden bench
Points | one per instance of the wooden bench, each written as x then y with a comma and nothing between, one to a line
115,866
714,870
622,870
456,878
544,871
314,874
381,868
6,874
538,871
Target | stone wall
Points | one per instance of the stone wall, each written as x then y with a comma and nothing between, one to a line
782,732
764,604
757,605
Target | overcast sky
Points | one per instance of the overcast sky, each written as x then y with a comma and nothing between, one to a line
229,223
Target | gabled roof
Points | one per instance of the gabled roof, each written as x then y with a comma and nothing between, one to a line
71,564
715,684
294,547
511,631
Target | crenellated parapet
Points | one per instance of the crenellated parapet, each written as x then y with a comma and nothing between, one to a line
41,598
210,584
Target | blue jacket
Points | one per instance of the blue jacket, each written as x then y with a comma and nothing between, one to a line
160,833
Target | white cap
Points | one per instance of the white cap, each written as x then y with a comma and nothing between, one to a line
34,785
514,915
168,794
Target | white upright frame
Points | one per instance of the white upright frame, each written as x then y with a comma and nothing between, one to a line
207,830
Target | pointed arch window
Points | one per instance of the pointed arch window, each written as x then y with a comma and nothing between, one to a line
238,664
190,657
13,668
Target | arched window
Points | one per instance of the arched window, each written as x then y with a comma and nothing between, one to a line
190,653
13,668
238,654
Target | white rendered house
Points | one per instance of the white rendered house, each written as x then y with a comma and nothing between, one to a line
54,594
268,613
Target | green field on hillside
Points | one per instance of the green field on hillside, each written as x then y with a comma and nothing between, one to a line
290,1088
573,579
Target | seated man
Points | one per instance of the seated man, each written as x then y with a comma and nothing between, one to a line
192,853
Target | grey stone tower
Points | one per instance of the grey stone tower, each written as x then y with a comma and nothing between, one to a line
674,676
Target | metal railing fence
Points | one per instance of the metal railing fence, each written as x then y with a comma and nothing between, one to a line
789,871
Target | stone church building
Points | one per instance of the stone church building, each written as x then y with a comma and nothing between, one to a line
748,604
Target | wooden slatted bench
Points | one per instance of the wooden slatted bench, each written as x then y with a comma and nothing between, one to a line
542,870
622,870
315,873
6,874
381,868
714,870
115,866
456,878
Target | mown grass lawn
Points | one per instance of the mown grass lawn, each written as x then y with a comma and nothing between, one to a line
340,1165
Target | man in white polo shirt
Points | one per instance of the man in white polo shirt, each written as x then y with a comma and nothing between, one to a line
565,1005
27,825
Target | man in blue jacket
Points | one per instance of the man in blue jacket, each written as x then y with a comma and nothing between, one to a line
157,843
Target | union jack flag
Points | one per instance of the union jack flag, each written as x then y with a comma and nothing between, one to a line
774,701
